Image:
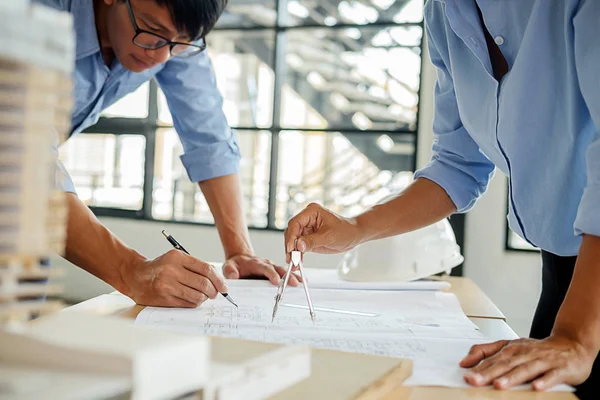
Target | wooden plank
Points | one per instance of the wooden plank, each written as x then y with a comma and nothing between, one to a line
437,393
41,119
10,156
23,310
30,273
29,290
334,374
23,76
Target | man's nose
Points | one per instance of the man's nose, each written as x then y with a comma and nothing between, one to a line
160,55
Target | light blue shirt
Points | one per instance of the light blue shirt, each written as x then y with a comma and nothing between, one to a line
210,146
539,125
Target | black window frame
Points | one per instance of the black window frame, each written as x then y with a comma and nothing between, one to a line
149,126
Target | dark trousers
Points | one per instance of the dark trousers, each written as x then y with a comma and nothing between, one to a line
556,276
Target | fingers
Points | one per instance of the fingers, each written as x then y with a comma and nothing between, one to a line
307,218
198,283
525,372
173,301
312,242
294,279
549,379
268,271
481,351
204,269
189,295
497,366
230,271
251,267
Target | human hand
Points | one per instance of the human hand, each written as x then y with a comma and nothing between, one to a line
546,363
245,266
174,279
319,230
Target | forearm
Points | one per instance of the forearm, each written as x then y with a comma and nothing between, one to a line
420,204
224,197
95,249
579,315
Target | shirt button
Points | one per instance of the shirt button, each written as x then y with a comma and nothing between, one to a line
499,40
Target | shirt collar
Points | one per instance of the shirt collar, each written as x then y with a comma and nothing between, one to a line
85,28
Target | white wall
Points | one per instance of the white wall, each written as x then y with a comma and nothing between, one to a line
511,279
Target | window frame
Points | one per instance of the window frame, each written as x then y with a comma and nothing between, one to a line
149,126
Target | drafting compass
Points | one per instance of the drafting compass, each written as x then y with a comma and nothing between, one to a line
296,261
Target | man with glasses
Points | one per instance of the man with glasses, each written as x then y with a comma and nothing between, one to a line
120,44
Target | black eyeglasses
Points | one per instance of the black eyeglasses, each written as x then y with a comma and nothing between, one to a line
152,41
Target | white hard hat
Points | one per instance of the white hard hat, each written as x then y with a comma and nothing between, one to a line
414,255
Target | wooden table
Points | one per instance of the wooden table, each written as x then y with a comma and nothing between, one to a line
473,300
476,305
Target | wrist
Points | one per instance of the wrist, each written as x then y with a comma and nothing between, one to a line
127,267
244,252
364,227
240,249
585,337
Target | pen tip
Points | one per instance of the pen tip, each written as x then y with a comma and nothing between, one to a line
165,233
228,297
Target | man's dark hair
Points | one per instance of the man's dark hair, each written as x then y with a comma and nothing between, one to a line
194,17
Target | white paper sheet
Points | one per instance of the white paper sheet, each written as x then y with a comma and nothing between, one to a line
443,368
403,318
428,327
321,278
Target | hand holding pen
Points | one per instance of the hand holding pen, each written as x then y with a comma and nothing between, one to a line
178,246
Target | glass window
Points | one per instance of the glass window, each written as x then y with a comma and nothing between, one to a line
346,173
107,170
244,13
364,78
176,198
133,105
345,123
349,12
242,62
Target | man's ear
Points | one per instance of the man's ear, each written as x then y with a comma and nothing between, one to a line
110,2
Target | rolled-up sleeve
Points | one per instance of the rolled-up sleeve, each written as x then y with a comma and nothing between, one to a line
457,165
209,144
587,57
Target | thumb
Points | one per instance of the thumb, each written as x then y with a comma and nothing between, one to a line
309,242
230,271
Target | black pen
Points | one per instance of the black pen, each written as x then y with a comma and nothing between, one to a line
176,244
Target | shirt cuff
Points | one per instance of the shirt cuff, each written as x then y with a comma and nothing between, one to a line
212,161
456,183
588,214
